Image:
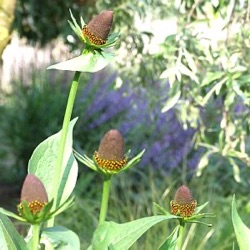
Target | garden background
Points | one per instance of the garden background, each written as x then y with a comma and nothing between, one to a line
179,87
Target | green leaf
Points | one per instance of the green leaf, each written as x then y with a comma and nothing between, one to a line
60,238
43,161
241,230
9,237
89,61
171,101
171,241
111,235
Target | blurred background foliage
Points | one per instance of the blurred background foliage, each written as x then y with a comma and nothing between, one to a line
180,88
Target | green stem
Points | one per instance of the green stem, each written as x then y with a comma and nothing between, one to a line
181,234
35,236
105,198
64,132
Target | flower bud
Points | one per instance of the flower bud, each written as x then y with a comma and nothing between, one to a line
97,30
34,193
110,154
183,203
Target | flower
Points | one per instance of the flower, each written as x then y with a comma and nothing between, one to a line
34,206
97,30
95,34
110,155
183,203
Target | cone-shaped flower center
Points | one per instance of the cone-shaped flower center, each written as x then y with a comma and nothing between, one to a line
110,154
34,193
97,30
183,203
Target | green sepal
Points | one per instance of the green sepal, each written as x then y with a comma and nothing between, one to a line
75,27
26,213
160,209
45,214
67,204
85,160
36,218
11,214
133,161
200,208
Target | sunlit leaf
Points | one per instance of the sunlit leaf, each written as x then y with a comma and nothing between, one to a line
89,61
236,170
60,238
202,163
171,102
210,77
43,161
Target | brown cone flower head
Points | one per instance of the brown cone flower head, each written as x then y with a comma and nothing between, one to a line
34,192
183,203
97,30
110,155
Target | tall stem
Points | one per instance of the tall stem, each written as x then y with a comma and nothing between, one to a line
35,236
105,198
64,132
181,234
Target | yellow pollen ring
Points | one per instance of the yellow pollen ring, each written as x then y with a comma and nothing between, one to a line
35,207
93,38
109,164
184,210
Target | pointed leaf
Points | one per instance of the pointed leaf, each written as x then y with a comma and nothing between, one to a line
171,241
60,238
9,237
171,101
43,161
123,236
242,232
89,61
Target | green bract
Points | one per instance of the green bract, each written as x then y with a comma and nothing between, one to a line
94,166
25,215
